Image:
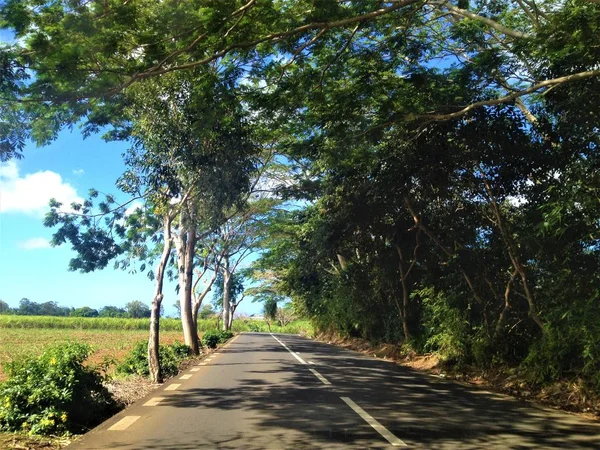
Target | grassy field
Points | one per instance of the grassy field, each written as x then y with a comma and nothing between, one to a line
108,344
111,338
106,323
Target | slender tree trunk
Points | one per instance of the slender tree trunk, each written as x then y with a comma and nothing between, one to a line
513,254
154,338
405,296
504,313
185,243
232,308
404,274
443,248
226,295
199,299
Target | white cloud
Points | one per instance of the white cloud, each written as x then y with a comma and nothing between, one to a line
34,243
30,193
79,172
133,207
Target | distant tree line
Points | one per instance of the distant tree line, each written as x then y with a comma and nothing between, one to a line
134,309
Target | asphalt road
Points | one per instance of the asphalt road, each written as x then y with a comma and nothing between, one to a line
279,391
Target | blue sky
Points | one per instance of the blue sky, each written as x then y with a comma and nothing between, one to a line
29,267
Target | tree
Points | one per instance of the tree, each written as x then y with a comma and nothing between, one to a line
4,307
191,159
137,310
285,315
206,312
84,311
112,311
235,296
270,311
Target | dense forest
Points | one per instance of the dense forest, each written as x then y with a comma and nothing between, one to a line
426,171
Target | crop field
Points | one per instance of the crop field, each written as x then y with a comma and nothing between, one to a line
108,344
111,338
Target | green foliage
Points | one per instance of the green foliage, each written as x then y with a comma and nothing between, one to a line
4,307
211,338
205,312
270,308
85,311
170,356
225,335
53,393
446,328
137,310
255,327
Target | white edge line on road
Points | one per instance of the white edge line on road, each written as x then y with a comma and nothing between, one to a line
124,423
154,401
288,349
172,387
187,376
319,376
383,431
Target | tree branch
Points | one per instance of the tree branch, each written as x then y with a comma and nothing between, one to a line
508,98
492,23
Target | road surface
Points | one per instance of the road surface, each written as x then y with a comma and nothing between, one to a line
267,391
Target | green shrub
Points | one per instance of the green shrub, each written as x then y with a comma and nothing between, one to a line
224,336
54,393
211,338
182,351
252,326
169,357
446,327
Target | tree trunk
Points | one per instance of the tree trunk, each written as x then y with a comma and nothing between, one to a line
185,244
504,313
405,294
198,300
154,337
226,295
513,254
232,308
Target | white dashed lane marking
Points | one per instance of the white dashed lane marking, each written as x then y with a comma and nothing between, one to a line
319,376
185,377
195,369
172,387
153,401
387,434
288,349
124,423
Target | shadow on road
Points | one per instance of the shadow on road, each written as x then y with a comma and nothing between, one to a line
421,410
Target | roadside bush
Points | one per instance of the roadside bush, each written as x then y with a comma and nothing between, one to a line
446,327
254,327
169,356
224,336
54,393
211,338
